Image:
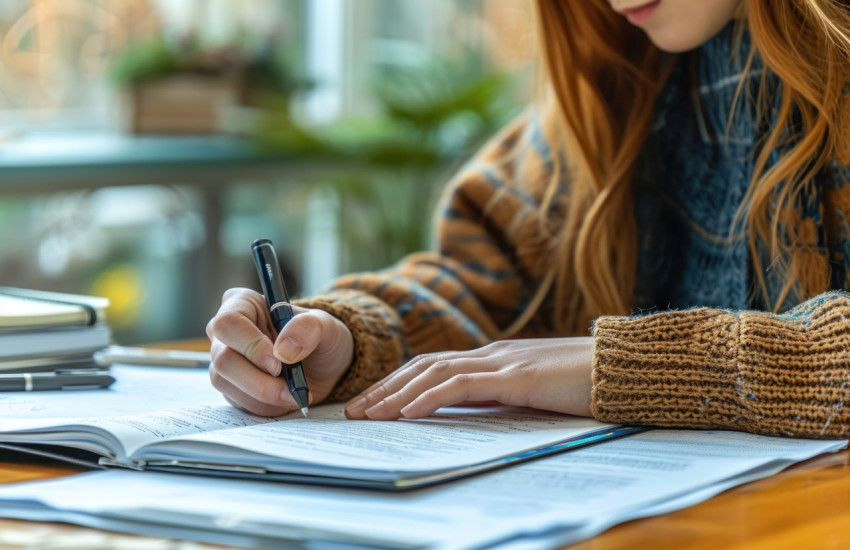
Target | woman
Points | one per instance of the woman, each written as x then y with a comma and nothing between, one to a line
682,189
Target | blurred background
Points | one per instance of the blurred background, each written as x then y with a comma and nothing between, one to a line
145,143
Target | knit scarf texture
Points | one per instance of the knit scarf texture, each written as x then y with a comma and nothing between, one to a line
693,173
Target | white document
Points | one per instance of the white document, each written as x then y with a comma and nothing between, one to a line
545,503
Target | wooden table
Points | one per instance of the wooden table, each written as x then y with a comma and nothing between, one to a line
803,508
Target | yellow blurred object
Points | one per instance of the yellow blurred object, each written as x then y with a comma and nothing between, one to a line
123,286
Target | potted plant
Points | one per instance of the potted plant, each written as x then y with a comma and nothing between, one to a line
181,86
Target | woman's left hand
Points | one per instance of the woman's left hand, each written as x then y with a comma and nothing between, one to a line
552,374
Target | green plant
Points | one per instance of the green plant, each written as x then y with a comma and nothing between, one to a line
264,67
147,60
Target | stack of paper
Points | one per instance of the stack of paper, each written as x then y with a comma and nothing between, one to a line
42,331
544,503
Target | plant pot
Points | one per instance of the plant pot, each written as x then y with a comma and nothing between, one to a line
179,104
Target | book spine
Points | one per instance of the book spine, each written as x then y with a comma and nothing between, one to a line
138,465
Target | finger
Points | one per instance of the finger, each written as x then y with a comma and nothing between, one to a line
245,402
231,370
478,387
307,332
355,408
436,374
251,303
239,325
244,301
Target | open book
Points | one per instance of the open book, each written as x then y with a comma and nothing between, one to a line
325,448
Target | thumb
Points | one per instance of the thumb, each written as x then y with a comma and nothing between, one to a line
316,334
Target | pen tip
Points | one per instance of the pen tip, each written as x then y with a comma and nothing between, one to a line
304,411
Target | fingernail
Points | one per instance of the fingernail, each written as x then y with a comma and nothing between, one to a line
356,405
406,408
374,409
289,349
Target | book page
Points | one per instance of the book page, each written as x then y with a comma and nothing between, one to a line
131,432
136,431
70,417
136,390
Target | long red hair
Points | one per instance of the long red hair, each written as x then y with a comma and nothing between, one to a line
604,76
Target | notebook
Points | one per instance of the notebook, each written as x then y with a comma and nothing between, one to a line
56,327
24,309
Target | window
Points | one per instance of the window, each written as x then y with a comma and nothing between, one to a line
141,244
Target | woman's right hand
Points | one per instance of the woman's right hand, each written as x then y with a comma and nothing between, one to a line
246,353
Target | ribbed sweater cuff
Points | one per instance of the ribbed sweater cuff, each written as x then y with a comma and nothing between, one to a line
378,345
752,371
675,368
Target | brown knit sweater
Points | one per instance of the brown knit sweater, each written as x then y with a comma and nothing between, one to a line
706,368
785,374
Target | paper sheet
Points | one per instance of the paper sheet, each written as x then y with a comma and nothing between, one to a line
539,504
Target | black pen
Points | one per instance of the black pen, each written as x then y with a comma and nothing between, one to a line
58,380
281,311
